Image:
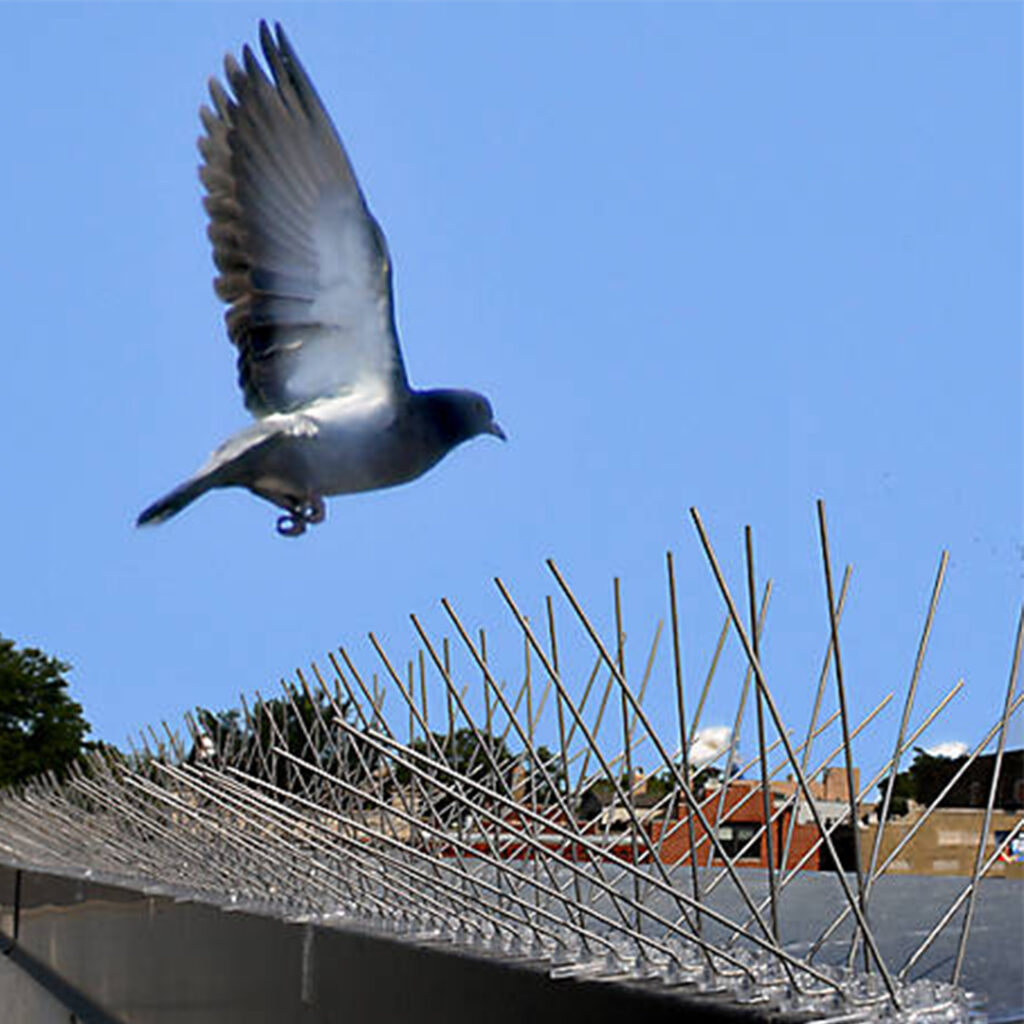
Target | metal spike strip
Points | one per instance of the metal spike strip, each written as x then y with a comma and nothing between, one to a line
466,828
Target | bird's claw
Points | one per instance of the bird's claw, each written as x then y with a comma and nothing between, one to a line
302,515
291,526
313,511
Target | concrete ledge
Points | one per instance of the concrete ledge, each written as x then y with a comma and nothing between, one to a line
130,957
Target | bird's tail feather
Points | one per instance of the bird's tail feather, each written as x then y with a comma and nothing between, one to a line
171,504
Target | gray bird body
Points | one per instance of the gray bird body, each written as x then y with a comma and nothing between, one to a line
305,269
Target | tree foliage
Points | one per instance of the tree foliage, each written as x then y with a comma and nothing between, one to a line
41,727
904,789
487,760
656,787
304,727
929,775
308,728
921,782
466,755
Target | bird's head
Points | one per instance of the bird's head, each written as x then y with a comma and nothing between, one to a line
460,415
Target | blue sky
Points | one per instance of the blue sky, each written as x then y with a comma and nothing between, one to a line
734,256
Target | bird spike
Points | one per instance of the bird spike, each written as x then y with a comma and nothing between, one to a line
514,820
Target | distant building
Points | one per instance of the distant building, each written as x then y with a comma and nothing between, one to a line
738,821
947,843
735,812
737,818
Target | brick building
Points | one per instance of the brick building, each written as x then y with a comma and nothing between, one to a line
737,816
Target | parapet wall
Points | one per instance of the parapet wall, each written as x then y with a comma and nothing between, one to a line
109,954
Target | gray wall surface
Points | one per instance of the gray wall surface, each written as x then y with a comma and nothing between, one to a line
22,998
116,955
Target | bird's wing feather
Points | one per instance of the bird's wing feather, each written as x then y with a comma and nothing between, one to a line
301,260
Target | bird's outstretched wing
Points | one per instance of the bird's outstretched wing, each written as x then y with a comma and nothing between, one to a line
302,262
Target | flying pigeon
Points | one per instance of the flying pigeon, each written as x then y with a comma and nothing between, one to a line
304,268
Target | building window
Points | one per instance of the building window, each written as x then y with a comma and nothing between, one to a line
734,837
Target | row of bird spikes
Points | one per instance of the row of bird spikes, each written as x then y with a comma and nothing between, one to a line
311,806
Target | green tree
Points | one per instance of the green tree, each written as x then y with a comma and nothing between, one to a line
41,727
462,751
921,782
303,726
541,791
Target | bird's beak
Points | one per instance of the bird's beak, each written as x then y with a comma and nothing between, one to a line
493,428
